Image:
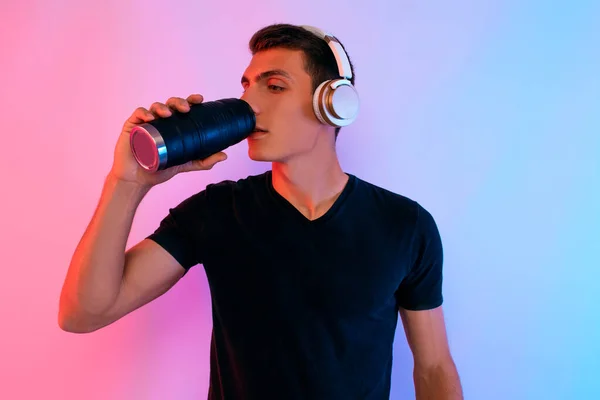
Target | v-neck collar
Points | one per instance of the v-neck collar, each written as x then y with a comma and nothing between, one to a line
292,212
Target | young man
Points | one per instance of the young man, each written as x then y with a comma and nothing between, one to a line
308,266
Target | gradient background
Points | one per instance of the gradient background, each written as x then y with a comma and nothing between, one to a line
486,112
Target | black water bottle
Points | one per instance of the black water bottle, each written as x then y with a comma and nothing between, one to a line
205,130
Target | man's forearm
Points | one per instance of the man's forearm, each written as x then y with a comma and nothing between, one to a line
438,383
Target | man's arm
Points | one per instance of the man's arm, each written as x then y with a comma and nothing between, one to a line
104,282
435,373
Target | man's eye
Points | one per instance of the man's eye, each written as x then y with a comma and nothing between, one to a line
276,88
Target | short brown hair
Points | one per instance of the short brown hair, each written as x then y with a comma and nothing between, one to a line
319,61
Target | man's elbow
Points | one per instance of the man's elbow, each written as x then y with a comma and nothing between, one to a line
443,366
73,320
438,379
71,323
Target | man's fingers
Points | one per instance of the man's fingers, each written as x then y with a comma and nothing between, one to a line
140,115
195,98
161,110
179,104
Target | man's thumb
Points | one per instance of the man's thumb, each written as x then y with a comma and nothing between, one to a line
207,163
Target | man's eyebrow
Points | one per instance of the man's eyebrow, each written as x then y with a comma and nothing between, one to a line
268,74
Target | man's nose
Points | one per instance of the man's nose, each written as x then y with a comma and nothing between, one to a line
251,100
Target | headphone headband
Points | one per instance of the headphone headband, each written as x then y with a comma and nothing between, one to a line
343,63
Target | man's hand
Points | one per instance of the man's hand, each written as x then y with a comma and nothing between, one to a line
125,168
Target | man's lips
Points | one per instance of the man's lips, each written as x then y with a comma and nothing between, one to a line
258,132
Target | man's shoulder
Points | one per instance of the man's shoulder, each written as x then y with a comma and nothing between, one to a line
386,198
229,187
400,210
220,194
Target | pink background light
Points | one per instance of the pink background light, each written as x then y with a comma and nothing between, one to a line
485,112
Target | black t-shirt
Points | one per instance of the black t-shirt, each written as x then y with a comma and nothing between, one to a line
305,309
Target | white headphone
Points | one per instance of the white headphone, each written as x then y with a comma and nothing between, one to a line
335,101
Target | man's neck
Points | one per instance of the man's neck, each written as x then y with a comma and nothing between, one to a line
311,185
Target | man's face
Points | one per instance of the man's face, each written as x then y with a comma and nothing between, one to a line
280,91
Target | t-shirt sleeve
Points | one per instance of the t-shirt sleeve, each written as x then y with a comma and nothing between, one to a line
182,230
421,289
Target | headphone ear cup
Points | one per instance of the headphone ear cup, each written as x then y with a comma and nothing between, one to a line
318,104
336,102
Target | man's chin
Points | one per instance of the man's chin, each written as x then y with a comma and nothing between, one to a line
258,155
259,151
